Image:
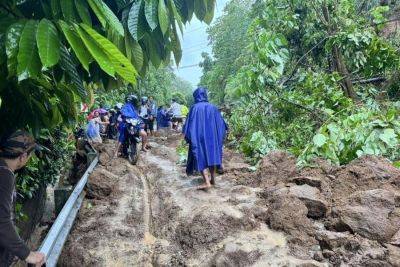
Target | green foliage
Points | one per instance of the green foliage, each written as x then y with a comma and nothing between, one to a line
257,145
229,39
48,43
47,46
311,78
363,132
46,170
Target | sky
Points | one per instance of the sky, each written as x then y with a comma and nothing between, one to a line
194,42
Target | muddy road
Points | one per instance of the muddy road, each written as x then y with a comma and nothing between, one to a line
151,215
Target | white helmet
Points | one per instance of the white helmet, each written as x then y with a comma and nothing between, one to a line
119,105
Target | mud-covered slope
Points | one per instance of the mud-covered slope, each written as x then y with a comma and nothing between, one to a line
347,215
151,215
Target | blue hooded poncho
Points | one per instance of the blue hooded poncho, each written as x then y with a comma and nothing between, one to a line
205,131
129,111
162,118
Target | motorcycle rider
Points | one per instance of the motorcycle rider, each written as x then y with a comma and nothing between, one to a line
129,111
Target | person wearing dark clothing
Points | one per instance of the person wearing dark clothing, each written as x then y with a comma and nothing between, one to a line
204,131
112,128
163,118
15,151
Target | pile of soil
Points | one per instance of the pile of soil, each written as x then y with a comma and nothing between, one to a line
348,215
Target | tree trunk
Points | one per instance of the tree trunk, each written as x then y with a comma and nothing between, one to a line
341,68
338,61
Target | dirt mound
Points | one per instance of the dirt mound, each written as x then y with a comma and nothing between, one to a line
289,214
99,186
204,231
346,215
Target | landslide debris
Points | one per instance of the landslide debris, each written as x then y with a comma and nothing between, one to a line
348,215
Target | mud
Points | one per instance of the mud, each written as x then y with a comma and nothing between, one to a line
346,215
151,215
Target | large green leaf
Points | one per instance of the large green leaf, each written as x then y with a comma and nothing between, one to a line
12,42
177,16
111,19
134,52
97,52
151,12
154,52
69,67
200,9
182,9
77,45
68,10
190,9
106,16
210,11
28,58
83,11
122,65
163,16
176,46
136,21
48,43
56,8
99,14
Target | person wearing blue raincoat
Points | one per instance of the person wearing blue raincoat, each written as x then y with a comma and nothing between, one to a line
205,132
129,111
163,118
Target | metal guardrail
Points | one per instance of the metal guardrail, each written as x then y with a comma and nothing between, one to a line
56,237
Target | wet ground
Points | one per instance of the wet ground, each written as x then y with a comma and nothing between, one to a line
151,215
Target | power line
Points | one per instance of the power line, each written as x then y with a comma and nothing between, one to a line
186,67
193,46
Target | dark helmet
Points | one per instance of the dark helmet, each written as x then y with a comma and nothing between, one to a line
133,99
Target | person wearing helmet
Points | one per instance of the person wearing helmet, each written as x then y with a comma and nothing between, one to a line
129,111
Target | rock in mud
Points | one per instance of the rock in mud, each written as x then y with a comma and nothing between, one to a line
316,204
99,186
277,167
331,240
393,255
289,214
203,231
235,255
365,173
372,214
396,239
307,180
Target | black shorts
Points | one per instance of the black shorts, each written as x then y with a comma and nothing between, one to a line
150,124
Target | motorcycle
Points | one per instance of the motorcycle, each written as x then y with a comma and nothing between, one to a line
130,147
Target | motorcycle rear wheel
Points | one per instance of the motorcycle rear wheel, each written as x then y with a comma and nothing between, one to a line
133,153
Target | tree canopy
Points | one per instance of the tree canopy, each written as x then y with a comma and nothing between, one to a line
51,50
319,78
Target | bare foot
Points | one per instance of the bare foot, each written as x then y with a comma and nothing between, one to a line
212,181
144,149
203,187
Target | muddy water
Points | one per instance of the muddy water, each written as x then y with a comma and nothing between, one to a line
153,216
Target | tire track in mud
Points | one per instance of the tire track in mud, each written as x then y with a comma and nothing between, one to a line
150,215
214,228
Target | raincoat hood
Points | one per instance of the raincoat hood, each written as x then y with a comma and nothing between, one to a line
200,95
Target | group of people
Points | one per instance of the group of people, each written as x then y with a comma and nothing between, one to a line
204,130
108,123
